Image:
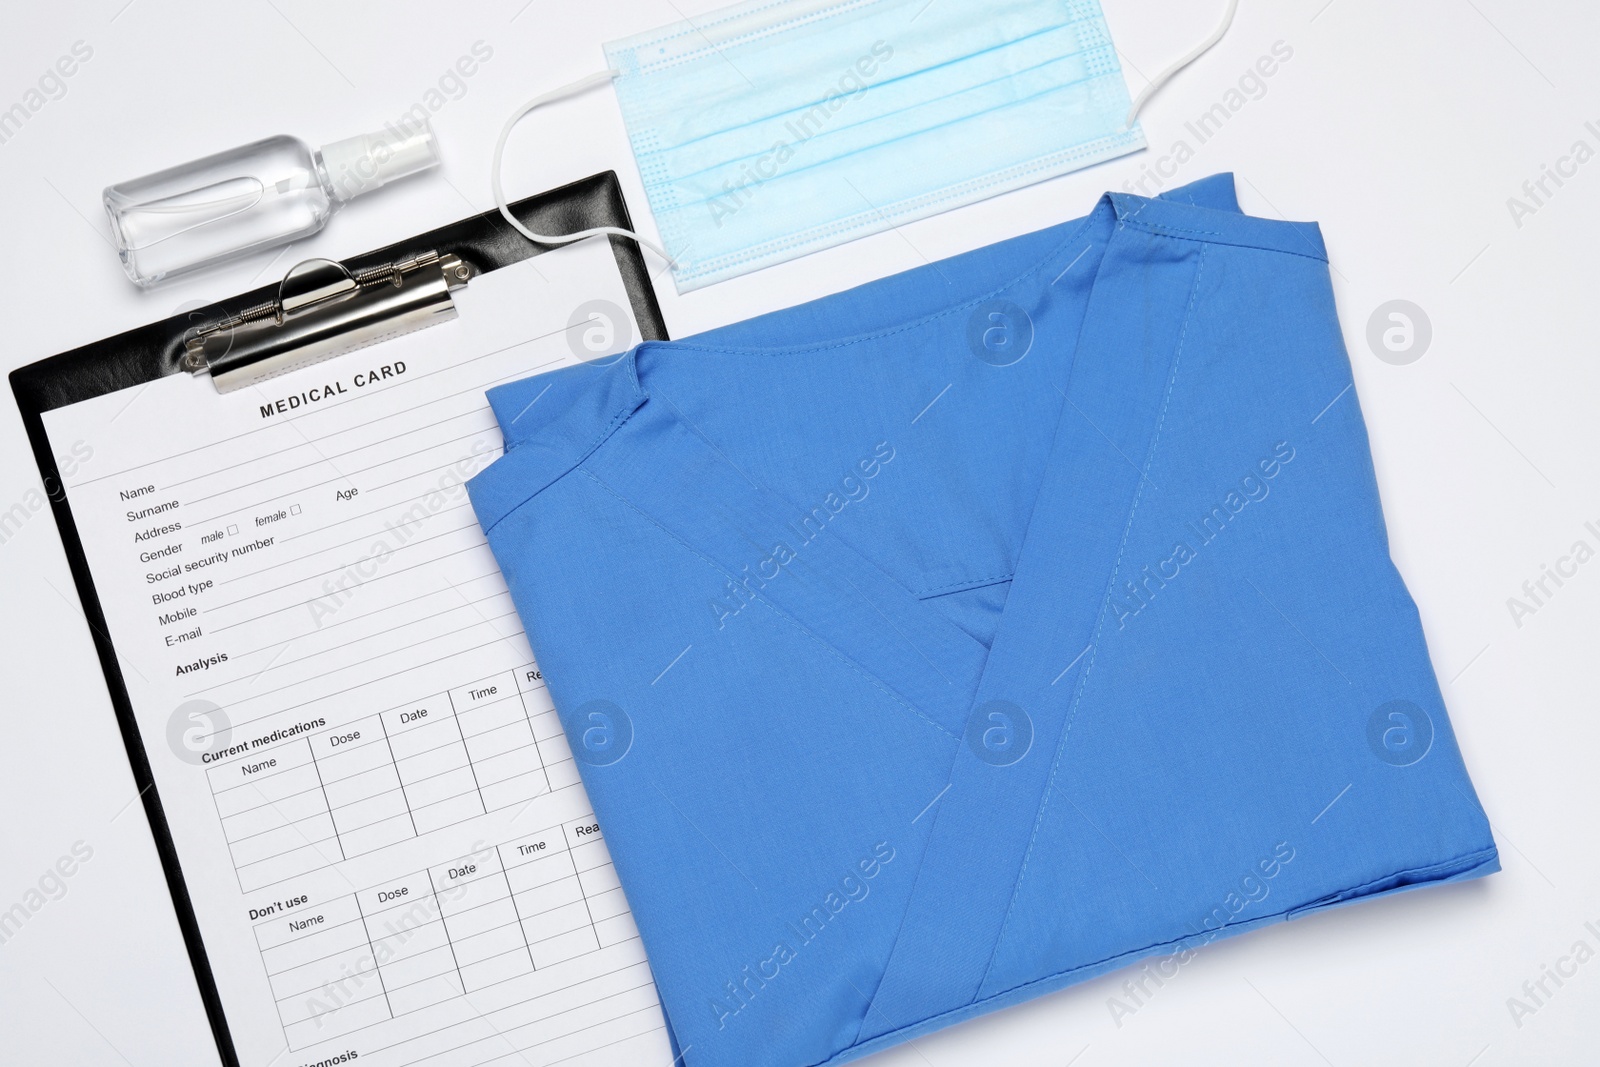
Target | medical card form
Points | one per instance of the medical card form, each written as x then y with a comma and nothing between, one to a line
379,821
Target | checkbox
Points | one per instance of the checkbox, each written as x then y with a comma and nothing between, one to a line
294,509
232,530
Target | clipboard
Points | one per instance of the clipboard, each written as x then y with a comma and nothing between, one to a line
319,311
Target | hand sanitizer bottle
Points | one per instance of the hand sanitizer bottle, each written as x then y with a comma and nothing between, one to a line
250,198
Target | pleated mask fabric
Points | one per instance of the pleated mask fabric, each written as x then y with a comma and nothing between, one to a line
773,128
974,632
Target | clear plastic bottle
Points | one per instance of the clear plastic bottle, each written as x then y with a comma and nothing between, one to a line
250,198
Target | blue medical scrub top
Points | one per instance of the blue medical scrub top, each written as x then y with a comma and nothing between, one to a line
981,629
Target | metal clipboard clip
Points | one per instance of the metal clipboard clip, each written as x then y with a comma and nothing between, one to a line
322,310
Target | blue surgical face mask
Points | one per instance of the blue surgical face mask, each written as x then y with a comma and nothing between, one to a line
768,130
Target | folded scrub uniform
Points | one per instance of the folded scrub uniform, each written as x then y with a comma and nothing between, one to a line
982,629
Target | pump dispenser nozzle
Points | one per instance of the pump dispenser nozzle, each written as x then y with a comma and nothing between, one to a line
367,161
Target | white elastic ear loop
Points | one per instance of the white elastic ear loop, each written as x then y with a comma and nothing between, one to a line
499,194
1199,50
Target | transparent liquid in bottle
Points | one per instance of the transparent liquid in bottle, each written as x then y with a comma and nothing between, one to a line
219,208
247,199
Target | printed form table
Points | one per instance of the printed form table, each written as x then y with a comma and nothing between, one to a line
329,795
497,915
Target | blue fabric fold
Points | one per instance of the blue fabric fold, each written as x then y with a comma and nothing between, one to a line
981,629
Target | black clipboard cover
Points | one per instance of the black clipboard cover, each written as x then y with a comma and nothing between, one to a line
485,242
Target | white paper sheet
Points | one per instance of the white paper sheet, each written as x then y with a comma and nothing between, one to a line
377,816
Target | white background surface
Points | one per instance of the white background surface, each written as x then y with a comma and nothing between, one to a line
1402,128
